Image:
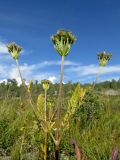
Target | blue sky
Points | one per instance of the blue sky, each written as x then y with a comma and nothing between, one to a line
30,23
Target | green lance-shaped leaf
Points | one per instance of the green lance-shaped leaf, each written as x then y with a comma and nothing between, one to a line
40,106
14,50
45,84
62,41
103,58
41,112
29,86
75,101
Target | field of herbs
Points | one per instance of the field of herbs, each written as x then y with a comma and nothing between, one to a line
48,122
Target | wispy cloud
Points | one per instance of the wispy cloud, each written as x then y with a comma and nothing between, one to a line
92,69
3,70
28,71
73,71
3,48
57,63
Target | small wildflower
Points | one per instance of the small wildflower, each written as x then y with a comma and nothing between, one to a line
103,58
45,84
14,50
62,41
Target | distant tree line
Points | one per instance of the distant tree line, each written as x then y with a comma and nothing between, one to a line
114,84
11,89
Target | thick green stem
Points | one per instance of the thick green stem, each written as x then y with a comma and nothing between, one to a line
45,105
45,143
97,77
45,147
35,113
59,104
29,95
17,63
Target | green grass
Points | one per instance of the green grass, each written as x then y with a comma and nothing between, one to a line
95,140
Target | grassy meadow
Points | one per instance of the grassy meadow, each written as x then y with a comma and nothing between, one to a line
71,121
95,126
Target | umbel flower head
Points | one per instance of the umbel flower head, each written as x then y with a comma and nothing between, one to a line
14,50
103,58
62,41
45,84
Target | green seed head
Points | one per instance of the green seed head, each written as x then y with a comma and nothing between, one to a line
45,84
103,58
62,41
14,50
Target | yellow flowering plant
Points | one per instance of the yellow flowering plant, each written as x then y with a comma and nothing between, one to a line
55,126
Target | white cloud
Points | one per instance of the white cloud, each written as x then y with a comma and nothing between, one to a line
55,63
70,63
3,69
28,72
3,48
52,79
33,71
92,70
73,71
4,55
3,80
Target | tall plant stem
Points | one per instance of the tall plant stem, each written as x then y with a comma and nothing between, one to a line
97,77
45,147
29,95
17,63
59,104
45,105
35,113
45,143
21,146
